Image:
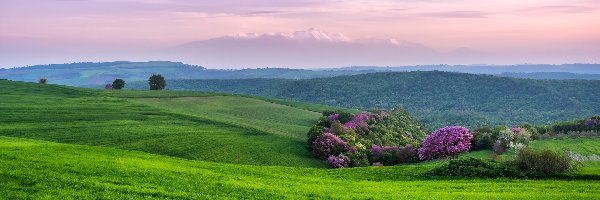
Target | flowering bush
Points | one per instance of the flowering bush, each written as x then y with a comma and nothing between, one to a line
591,122
327,145
446,142
377,164
498,147
339,161
108,86
339,133
334,117
514,138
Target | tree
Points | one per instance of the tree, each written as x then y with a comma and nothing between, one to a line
157,82
118,84
43,81
446,142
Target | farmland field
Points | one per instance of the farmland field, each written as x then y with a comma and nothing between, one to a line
64,142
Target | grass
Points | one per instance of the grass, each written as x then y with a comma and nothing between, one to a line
65,171
245,112
583,146
90,117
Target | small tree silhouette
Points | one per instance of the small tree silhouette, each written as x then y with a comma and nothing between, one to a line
118,84
157,82
43,81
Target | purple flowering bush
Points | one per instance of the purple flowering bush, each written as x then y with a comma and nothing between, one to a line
591,122
391,136
340,161
328,145
446,142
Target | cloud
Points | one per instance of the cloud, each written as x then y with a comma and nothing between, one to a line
459,14
565,9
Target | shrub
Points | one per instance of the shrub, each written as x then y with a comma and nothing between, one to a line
498,148
157,82
339,161
108,86
482,139
474,167
446,142
544,162
514,138
43,81
393,155
118,84
314,132
338,132
327,145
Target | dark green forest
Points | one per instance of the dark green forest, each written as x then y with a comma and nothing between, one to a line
435,98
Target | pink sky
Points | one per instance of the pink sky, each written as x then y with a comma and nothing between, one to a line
49,31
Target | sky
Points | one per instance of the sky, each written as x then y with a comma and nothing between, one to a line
507,31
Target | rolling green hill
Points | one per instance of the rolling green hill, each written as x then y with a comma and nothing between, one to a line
436,98
201,126
59,142
33,169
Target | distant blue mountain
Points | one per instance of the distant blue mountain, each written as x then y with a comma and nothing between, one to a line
96,74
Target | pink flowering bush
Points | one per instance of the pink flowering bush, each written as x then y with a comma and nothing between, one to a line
391,136
329,144
446,142
340,161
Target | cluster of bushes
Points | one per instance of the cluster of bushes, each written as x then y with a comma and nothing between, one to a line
381,138
370,138
502,138
589,124
528,163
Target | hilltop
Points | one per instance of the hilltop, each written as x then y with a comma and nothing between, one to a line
220,128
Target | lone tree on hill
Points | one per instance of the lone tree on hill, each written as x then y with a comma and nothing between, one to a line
43,81
118,84
157,82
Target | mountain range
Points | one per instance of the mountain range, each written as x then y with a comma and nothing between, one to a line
98,74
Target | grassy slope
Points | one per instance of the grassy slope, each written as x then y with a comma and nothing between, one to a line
89,117
56,171
246,112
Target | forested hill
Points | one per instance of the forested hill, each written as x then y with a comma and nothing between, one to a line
436,98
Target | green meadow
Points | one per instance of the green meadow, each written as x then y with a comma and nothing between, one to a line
59,142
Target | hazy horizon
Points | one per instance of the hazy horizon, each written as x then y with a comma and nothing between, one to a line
300,34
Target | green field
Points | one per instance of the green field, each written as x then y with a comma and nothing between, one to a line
60,142
91,117
56,171
241,111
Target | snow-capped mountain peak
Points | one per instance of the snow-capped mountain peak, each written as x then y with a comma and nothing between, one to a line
310,34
